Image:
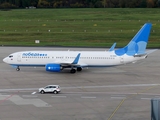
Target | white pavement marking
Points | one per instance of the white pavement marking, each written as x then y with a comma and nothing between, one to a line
34,93
146,98
157,96
4,95
60,96
118,97
87,97
73,93
130,85
29,96
20,89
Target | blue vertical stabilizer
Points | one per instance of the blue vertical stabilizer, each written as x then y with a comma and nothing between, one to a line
138,43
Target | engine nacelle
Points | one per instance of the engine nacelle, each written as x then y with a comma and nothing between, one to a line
53,67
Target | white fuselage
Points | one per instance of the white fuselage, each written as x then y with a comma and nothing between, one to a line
87,58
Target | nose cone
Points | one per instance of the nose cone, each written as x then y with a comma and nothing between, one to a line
5,60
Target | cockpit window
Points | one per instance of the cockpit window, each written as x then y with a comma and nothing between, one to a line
10,56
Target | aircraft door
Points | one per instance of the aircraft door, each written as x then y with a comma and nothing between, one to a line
121,60
19,57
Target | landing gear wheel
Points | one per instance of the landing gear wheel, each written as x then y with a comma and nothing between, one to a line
18,69
79,69
73,71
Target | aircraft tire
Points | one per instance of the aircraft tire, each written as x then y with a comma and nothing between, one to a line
18,69
73,71
79,69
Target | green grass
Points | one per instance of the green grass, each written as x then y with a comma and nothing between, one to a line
77,27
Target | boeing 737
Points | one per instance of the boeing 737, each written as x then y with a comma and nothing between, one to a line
56,61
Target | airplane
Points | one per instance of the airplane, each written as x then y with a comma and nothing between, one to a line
56,61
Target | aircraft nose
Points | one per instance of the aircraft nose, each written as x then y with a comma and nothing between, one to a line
5,60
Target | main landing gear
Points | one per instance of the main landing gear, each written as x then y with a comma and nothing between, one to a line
74,70
79,69
18,69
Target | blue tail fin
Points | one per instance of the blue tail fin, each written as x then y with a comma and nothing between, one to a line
138,43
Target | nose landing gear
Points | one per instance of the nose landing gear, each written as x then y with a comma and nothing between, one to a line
18,69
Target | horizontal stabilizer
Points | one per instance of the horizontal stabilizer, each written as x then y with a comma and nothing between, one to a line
140,55
151,51
147,52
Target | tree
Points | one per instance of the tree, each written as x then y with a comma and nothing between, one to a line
34,3
150,3
122,3
115,3
158,3
143,4
7,5
93,3
43,4
80,3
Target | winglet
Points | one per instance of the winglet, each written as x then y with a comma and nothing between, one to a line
76,59
112,47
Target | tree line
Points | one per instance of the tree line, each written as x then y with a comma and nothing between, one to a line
10,4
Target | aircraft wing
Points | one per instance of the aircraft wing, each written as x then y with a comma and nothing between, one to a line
74,63
66,65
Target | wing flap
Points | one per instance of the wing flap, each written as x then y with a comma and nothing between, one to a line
74,63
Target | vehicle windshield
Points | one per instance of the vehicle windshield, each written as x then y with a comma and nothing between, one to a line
51,87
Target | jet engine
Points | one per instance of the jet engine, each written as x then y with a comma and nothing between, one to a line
53,67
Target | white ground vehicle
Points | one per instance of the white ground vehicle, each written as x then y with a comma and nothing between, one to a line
50,89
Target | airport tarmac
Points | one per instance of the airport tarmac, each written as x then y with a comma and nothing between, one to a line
115,93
